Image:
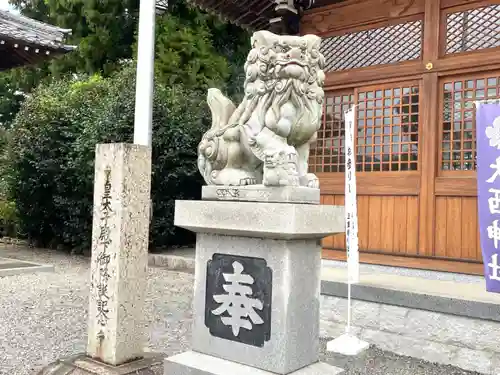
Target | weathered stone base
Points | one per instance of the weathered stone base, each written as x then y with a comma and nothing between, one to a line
151,364
193,363
261,193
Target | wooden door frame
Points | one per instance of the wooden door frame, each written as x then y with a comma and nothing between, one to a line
429,70
428,141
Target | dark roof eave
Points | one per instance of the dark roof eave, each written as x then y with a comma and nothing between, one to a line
251,15
17,61
35,33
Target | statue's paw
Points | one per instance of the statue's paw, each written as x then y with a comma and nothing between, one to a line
291,155
312,181
288,179
293,181
235,177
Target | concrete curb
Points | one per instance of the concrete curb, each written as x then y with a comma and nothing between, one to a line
454,306
13,241
172,262
30,268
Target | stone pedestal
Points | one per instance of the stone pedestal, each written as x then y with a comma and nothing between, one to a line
257,284
259,193
193,363
116,335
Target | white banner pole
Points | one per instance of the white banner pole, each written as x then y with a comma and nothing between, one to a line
348,344
351,216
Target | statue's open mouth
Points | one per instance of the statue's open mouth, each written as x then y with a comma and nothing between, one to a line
291,62
291,69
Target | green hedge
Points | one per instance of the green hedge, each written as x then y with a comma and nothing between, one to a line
8,219
52,153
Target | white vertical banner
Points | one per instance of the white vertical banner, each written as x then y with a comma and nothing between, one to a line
351,214
349,344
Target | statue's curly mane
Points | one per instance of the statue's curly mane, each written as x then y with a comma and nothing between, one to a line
280,113
268,84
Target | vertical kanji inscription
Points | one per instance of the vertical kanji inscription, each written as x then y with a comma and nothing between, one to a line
104,258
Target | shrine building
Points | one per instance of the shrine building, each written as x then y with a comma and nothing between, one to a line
414,69
24,41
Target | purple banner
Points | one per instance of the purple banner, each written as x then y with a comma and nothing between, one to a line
488,186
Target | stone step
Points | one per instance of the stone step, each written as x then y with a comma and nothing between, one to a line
434,291
439,317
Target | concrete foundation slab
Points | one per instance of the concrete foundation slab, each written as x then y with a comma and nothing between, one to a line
347,344
193,363
151,364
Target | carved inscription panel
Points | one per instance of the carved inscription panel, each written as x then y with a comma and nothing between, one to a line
238,299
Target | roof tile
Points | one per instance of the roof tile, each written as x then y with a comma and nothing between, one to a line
25,29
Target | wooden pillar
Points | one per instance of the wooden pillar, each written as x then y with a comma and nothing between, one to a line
429,136
287,19
288,14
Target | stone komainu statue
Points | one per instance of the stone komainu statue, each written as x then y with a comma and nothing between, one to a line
266,139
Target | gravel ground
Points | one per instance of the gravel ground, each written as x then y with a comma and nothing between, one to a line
43,317
378,362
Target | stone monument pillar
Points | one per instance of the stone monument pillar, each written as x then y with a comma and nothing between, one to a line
259,224
120,238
